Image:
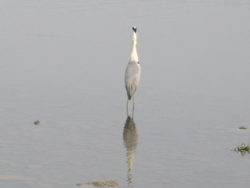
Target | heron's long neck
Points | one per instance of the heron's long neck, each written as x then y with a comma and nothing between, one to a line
134,56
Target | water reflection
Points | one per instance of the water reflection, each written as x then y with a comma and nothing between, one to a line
130,138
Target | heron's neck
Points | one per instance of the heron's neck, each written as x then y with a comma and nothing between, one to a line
134,56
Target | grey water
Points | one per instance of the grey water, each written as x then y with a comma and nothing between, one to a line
63,63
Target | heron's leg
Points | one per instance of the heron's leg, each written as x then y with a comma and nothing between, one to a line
127,107
133,106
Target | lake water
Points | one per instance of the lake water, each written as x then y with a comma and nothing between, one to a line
63,63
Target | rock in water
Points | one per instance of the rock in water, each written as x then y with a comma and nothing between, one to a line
36,122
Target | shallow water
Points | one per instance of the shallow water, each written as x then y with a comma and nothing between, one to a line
63,63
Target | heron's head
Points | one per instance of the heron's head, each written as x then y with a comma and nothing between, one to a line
134,29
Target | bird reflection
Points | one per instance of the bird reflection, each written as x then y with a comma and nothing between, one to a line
130,138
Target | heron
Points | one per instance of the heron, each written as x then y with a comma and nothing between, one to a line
133,71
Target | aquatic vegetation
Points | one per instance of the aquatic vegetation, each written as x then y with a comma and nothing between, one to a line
110,183
242,127
243,149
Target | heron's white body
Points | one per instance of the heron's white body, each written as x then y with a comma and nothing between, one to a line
133,71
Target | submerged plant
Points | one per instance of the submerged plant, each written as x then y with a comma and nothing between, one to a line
242,127
243,149
110,183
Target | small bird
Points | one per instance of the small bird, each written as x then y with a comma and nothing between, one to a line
133,71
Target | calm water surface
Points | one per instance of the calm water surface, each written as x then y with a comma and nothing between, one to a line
63,63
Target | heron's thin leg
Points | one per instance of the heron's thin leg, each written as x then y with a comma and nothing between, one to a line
133,107
127,107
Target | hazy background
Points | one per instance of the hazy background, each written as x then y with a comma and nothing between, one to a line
63,63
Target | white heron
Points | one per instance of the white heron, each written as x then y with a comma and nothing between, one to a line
133,71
